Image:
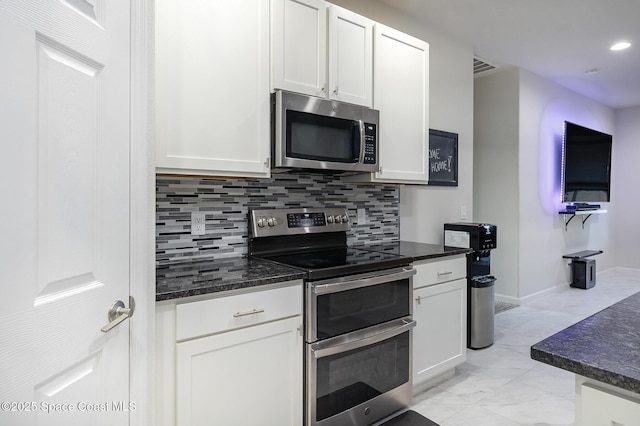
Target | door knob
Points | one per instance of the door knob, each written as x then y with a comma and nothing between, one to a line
118,313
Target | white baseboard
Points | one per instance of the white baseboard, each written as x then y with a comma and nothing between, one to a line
507,299
558,288
531,297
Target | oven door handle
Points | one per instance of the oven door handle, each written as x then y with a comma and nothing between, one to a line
342,285
360,339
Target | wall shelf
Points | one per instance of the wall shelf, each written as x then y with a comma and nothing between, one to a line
582,254
570,214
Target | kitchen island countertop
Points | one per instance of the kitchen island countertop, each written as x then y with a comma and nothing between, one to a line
603,347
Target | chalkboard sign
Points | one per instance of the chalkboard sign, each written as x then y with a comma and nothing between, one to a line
443,158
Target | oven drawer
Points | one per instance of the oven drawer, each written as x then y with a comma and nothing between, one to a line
343,305
361,377
440,270
211,316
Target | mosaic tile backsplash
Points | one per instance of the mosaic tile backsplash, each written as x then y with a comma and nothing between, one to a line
226,203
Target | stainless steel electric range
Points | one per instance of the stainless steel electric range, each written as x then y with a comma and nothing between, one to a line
358,314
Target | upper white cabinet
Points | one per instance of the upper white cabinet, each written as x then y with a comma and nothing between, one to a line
350,57
212,87
322,51
299,46
401,93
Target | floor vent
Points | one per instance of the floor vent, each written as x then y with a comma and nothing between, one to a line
480,65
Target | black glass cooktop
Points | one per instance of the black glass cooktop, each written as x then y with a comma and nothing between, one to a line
321,264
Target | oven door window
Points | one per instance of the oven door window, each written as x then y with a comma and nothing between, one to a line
320,138
350,310
347,379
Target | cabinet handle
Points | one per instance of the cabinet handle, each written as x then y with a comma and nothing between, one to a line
440,274
418,299
335,91
244,314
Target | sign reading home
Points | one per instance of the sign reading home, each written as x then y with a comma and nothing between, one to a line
443,158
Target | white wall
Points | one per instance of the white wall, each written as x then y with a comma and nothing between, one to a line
496,179
531,262
424,209
625,189
543,239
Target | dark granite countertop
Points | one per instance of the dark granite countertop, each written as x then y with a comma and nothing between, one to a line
210,276
193,278
604,347
418,251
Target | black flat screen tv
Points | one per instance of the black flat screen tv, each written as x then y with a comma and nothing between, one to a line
586,165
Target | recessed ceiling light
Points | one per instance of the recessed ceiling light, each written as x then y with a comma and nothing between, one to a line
620,46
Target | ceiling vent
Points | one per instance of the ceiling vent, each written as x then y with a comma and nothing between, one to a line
480,66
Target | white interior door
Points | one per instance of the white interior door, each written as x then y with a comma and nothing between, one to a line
64,221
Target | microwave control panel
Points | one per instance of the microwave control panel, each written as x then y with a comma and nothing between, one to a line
370,145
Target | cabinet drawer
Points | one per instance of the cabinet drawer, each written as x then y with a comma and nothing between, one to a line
228,313
440,270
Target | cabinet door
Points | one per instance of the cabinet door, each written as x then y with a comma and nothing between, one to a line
212,87
601,407
440,338
251,376
350,57
299,57
401,82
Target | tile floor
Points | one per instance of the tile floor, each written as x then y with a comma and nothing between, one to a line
502,385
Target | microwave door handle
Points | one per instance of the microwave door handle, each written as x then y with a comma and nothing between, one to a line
362,140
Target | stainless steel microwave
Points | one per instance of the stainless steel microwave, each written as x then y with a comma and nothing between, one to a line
315,133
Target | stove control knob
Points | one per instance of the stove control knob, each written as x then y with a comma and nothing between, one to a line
330,219
262,222
337,218
272,221
345,218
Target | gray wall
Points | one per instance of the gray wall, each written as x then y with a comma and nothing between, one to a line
496,177
519,126
626,187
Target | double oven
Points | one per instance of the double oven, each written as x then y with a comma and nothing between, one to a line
358,314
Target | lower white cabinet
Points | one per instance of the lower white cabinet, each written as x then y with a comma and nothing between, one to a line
601,404
440,310
250,376
233,360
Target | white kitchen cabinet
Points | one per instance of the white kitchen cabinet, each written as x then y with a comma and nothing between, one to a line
299,46
246,377
232,360
401,93
350,57
599,404
321,50
212,101
440,310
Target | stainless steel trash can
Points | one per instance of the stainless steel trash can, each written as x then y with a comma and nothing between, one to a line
480,311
